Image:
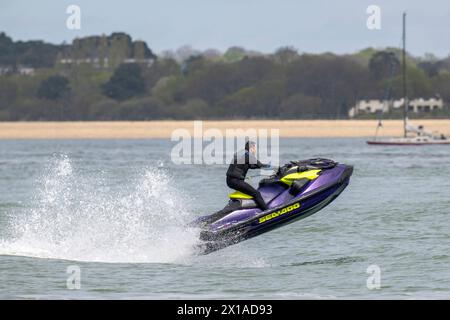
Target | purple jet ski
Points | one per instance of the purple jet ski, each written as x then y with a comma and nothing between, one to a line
295,191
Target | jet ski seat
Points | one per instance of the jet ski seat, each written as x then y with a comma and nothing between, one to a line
245,200
268,195
239,195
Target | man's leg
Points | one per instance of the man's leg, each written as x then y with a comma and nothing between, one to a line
244,187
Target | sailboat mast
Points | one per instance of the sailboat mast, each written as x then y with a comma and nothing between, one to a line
405,99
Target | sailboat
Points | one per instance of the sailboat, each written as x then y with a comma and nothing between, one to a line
412,135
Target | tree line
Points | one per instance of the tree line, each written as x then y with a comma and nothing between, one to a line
237,84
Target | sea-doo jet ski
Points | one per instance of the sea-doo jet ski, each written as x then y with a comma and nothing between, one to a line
295,191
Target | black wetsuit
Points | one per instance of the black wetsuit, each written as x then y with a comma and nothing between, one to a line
236,176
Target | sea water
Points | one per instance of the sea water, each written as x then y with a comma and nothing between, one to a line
116,212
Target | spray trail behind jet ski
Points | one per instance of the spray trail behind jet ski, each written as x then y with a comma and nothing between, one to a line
80,217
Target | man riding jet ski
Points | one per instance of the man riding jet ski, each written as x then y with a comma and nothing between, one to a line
242,161
295,191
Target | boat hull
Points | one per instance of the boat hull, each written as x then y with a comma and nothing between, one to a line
407,143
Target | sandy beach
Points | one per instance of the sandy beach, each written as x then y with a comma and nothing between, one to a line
164,129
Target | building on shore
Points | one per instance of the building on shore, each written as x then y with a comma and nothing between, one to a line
25,71
106,51
418,105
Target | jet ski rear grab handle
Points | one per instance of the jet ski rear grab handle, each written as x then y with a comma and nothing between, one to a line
258,175
264,175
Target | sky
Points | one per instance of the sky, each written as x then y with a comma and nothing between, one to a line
312,26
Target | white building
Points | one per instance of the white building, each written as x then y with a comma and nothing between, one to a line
104,62
5,70
426,105
26,71
415,105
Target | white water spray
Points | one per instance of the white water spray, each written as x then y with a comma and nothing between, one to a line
79,217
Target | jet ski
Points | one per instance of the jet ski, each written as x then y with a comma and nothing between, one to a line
295,191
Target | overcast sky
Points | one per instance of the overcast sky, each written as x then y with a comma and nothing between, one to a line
264,25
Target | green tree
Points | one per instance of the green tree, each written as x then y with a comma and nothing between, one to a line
417,83
54,88
384,64
147,108
160,69
7,50
234,54
335,80
193,64
441,85
430,68
126,82
8,92
300,106
285,55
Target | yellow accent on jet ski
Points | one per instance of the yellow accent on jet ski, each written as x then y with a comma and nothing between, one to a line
290,178
279,212
239,195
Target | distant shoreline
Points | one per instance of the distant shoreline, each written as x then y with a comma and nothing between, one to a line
164,129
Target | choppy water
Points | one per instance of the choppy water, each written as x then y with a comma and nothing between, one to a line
116,209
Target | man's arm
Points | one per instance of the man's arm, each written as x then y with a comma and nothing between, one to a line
263,165
254,163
